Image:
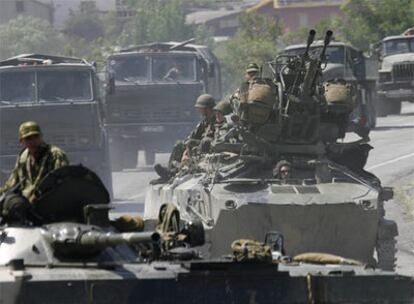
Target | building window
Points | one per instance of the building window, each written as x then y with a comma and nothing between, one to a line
19,6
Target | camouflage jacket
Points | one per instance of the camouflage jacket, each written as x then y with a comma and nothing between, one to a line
204,128
31,172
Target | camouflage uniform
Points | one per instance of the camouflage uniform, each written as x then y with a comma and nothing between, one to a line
204,128
30,171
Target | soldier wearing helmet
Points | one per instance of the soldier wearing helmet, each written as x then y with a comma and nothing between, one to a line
205,106
252,72
34,162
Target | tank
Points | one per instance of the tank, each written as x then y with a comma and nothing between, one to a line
328,203
68,251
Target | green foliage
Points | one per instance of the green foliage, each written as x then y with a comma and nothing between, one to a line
368,21
85,24
255,41
156,20
27,34
330,23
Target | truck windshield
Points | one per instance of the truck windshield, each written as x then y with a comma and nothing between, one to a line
335,54
64,85
174,68
398,46
17,87
129,68
51,86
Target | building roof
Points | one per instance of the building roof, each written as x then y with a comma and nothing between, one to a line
204,16
294,4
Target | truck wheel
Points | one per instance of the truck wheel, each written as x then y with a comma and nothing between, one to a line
123,155
386,249
386,254
149,157
382,107
395,108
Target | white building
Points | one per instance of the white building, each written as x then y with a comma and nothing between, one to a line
11,9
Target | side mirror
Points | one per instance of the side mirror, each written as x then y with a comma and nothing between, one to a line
110,85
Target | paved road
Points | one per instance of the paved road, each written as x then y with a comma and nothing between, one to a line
392,160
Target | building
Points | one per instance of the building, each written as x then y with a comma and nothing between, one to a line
297,14
11,9
223,22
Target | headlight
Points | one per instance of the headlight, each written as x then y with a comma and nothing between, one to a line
385,77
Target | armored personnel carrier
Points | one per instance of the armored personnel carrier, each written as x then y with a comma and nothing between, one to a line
64,249
326,202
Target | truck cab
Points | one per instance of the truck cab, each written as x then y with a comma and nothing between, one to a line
61,94
150,95
396,74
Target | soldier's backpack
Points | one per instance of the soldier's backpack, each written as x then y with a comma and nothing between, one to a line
257,101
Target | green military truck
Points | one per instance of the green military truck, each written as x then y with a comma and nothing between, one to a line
348,63
396,74
62,94
150,95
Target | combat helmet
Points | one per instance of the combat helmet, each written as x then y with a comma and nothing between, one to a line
29,128
252,68
205,101
224,107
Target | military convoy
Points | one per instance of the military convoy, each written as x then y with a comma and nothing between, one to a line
352,65
396,75
328,204
61,94
150,91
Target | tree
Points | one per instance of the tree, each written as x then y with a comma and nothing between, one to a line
255,41
27,34
368,21
86,23
156,20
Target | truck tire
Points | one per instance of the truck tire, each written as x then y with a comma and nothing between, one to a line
382,107
394,108
123,155
149,157
386,254
386,249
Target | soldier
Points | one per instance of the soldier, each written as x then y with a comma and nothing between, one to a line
282,170
252,72
34,162
181,151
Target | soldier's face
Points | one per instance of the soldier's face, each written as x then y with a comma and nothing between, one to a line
285,172
32,142
251,75
219,117
204,111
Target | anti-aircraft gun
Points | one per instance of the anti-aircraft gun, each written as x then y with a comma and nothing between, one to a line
326,204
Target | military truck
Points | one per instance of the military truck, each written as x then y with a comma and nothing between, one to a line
396,74
61,94
348,63
151,90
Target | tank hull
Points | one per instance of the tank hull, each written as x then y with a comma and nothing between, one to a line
204,282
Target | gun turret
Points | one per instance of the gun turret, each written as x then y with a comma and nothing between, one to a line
313,70
71,239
